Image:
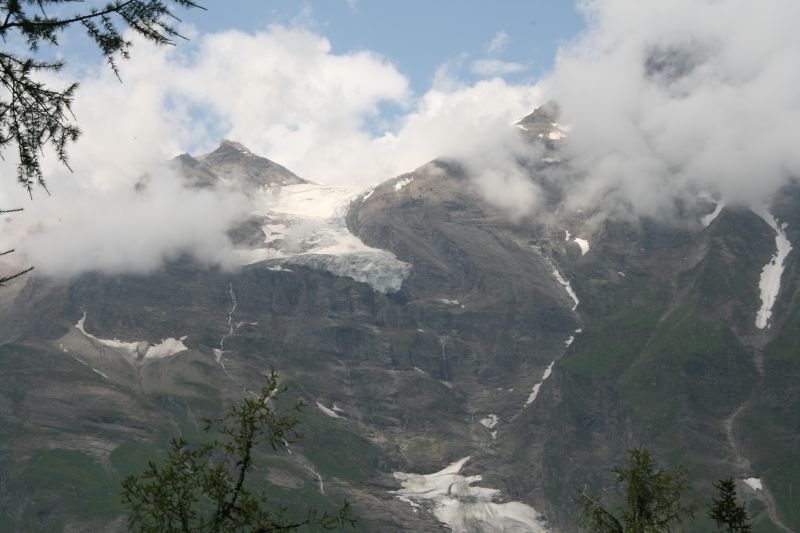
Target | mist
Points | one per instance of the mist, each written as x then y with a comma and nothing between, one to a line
664,100
668,98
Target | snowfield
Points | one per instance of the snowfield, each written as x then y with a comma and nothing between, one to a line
137,350
454,501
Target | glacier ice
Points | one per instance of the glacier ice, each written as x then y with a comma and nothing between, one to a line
464,508
306,226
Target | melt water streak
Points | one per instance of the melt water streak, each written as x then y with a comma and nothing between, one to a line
464,508
770,283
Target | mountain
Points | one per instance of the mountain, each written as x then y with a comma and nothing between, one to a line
462,370
232,163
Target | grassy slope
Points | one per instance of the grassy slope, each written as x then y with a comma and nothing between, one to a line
45,488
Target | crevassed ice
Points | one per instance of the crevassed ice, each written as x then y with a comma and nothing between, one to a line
770,283
307,227
464,508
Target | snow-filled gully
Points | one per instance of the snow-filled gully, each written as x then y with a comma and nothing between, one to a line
770,283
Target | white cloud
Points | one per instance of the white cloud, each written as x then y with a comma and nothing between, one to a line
495,67
284,94
669,97
498,43
353,5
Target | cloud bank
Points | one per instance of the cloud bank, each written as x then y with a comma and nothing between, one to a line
666,98
283,93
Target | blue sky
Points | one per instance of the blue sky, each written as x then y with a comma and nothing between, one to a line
308,82
416,35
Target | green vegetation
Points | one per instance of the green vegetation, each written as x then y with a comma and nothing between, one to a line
655,500
614,342
726,511
208,487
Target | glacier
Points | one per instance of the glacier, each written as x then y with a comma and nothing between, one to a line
305,226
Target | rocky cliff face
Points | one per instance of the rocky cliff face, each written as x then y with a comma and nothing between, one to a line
428,334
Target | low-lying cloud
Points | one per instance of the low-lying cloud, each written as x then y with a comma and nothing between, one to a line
666,98
283,93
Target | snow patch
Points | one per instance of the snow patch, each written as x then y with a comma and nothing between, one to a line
770,283
402,182
330,412
131,347
101,374
709,218
490,421
464,508
535,390
140,349
583,243
754,483
567,287
367,195
166,348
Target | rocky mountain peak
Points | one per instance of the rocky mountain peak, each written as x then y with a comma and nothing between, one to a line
543,122
234,163
229,146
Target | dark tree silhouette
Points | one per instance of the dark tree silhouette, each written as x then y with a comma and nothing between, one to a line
34,115
203,488
654,500
726,511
